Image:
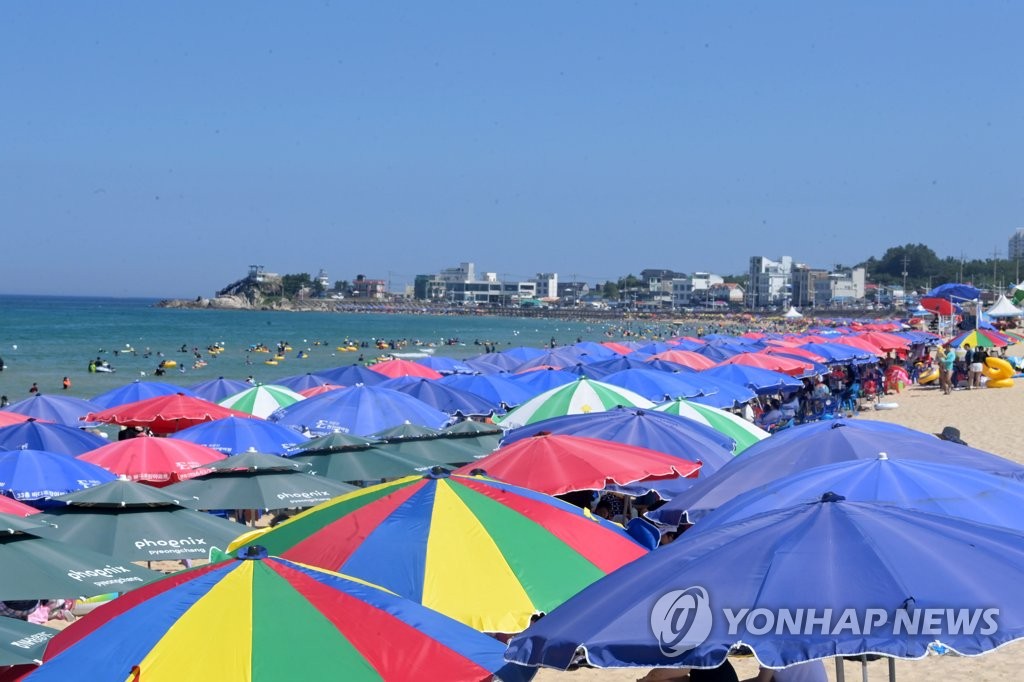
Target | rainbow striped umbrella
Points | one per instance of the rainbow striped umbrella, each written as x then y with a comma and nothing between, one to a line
260,618
579,397
486,553
981,338
739,429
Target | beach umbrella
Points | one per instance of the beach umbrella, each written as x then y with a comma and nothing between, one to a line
35,475
811,445
217,389
262,400
257,481
925,486
9,505
742,432
648,429
559,464
359,410
498,389
564,356
658,386
157,461
861,343
9,418
135,522
404,368
36,435
470,428
434,446
980,338
775,363
32,566
445,398
232,435
445,366
885,340
297,383
686,358
492,363
483,552
579,397
539,381
365,464
351,375
336,441
839,353
164,414
337,627
136,391
22,642
54,408
761,381
901,581
317,390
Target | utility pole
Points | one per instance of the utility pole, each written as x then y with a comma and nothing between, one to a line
906,259
995,261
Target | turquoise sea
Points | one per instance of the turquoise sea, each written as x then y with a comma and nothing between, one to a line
43,339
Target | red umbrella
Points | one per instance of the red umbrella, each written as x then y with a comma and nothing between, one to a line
775,363
317,390
939,306
404,368
165,414
154,460
686,358
617,347
858,342
9,418
885,341
794,350
11,506
556,464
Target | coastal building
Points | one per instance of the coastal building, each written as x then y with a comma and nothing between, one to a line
323,279
729,293
364,287
1016,246
770,282
655,288
460,286
694,290
573,293
810,286
547,285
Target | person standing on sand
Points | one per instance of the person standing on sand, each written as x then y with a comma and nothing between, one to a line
946,359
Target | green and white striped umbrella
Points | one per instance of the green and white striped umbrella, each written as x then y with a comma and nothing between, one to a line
739,429
261,401
580,397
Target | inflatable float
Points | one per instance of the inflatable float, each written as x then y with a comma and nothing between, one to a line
928,376
270,362
999,372
886,406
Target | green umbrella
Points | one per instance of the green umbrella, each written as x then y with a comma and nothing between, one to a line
253,461
260,489
579,397
32,567
335,442
739,429
441,450
407,431
263,400
468,427
368,464
136,522
22,643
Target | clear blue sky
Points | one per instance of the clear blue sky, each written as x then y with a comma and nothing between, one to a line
160,148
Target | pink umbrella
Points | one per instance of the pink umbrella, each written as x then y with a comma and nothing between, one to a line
317,390
9,418
858,342
165,414
403,368
158,461
775,363
11,506
686,358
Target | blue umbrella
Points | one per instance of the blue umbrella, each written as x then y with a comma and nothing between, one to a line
840,353
728,396
659,386
36,435
216,390
954,292
540,380
562,357
621,362
34,475
909,484
233,435
666,366
351,375
762,381
360,410
492,363
666,433
137,390
298,382
448,399
875,566
445,365
496,388
719,352
817,444
54,408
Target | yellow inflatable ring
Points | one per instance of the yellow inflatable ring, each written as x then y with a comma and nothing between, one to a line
999,372
928,376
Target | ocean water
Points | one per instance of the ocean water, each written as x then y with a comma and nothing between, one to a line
43,339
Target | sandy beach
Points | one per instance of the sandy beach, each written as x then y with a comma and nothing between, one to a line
988,419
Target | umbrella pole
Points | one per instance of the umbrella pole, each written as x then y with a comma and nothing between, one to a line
864,667
840,672
892,669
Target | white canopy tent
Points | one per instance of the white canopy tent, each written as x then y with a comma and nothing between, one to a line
792,314
1003,308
